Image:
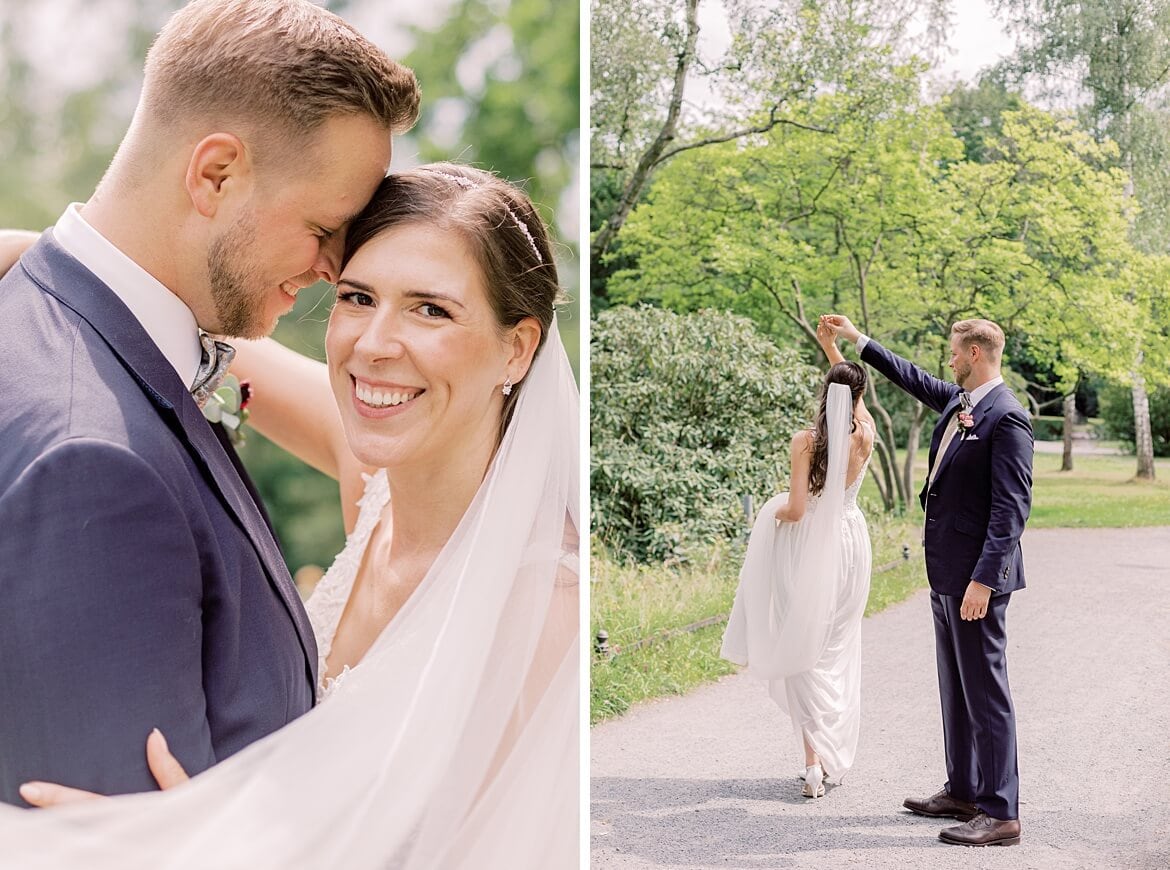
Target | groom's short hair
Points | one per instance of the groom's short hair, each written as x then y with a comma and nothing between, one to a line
279,68
984,333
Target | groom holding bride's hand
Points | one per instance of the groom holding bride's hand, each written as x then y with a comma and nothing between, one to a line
977,496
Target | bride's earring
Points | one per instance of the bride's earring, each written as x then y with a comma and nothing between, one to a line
507,388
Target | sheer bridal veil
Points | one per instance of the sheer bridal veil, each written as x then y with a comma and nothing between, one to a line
454,744
792,573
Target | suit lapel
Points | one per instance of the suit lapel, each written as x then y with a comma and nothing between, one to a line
67,280
206,447
939,429
980,413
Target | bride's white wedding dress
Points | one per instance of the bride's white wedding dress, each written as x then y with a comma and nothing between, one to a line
796,621
452,745
327,603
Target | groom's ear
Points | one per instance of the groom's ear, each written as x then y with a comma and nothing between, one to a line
220,169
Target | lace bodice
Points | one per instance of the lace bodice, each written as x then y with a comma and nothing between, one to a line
854,488
850,499
327,602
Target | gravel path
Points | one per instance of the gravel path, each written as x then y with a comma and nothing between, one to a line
1081,447
709,780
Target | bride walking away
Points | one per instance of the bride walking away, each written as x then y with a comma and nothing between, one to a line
796,621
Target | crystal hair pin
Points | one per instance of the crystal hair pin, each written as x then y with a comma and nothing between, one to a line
468,184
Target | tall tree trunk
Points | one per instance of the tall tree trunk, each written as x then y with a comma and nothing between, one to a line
646,163
912,439
889,483
1070,419
1143,436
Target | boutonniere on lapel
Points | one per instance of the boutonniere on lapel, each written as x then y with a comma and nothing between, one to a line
229,405
966,418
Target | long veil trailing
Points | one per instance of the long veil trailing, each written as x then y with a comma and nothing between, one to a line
792,573
453,744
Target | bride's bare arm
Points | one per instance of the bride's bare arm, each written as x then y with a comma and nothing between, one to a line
793,509
292,403
827,339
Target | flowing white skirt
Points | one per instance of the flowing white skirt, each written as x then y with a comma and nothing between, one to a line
796,624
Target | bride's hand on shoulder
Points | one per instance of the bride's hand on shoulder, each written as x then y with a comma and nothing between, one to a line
166,769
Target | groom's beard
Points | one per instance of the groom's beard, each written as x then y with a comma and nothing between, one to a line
236,286
962,375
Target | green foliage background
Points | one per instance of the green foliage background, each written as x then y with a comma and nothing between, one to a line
500,90
689,414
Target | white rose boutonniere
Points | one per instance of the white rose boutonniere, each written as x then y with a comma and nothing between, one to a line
229,405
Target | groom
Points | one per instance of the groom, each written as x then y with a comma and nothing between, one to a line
977,497
140,585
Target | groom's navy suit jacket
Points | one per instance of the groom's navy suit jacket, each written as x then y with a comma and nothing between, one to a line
982,492
140,585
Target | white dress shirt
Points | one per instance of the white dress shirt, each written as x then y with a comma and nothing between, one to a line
165,317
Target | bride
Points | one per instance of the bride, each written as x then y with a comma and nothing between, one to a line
447,628
796,621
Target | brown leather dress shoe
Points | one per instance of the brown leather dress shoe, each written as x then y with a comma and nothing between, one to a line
941,805
983,830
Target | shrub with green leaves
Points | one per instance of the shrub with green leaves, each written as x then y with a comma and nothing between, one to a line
689,413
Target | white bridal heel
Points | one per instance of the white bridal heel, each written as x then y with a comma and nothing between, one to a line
814,782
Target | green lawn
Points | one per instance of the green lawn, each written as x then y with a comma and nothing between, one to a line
636,602
1100,492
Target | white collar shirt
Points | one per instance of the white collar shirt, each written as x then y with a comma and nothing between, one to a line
165,317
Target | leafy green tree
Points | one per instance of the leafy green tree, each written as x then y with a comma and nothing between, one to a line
1112,57
690,413
883,219
645,60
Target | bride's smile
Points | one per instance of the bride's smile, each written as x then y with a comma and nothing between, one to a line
416,356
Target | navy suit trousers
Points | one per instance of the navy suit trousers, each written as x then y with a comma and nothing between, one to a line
979,721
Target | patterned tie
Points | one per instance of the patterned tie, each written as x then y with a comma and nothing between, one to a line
217,356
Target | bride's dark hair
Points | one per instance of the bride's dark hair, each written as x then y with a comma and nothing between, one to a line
853,376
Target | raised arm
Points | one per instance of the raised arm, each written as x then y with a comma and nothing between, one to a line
114,617
827,339
933,392
292,404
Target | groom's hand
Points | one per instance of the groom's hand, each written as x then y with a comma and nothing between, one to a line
165,767
842,326
974,604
